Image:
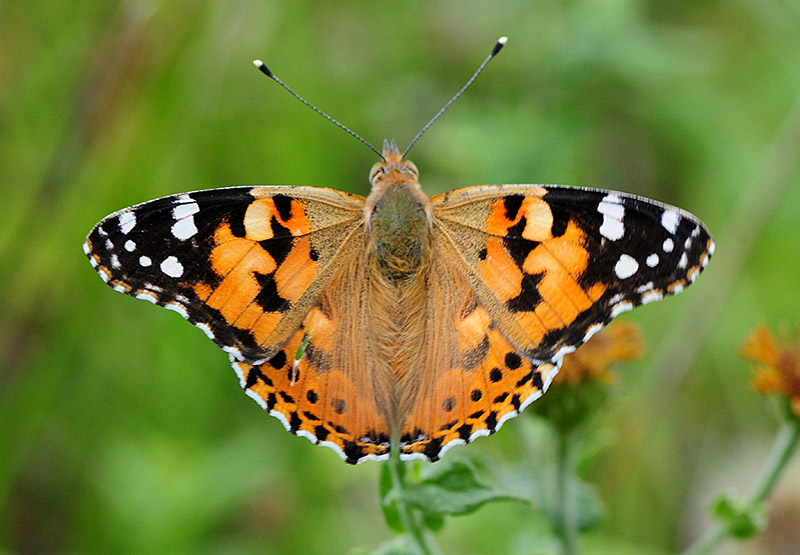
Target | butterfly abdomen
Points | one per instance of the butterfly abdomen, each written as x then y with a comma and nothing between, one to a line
398,258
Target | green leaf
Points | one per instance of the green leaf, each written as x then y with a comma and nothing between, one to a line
301,350
522,481
741,521
453,487
456,474
590,509
592,443
389,505
433,522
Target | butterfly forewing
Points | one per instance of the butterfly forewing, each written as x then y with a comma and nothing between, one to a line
554,264
244,264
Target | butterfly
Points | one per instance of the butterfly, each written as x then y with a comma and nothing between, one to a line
398,321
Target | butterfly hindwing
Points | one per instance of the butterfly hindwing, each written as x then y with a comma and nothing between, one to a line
468,379
244,263
552,265
324,385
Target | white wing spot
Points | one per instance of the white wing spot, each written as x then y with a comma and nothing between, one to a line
147,296
626,266
206,329
683,261
668,245
185,209
109,245
688,243
237,354
593,329
185,228
652,260
127,221
130,246
613,213
238,369
261,402
620,308
652,296
175,307
145,261
565,350
670,220
646,287
115,261
172,267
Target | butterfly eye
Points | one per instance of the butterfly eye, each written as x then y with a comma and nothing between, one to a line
377,169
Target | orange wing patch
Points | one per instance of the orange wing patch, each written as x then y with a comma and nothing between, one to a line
499,271
537,213
245,267
539,286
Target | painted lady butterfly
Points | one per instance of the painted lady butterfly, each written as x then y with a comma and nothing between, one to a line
398,319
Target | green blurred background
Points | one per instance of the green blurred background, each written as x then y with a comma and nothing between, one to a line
123,429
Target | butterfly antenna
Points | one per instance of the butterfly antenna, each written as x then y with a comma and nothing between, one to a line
266,71
500,43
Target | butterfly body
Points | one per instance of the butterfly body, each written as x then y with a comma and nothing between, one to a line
398,320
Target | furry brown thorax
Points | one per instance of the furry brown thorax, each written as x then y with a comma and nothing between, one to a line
398,217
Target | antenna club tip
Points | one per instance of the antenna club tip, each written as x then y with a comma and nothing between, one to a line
501,42
264,69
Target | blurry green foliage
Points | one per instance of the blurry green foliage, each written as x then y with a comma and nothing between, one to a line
122,428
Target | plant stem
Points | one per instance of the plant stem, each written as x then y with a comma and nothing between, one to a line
785,445
411,520
563,517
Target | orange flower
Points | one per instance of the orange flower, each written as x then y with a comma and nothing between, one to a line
777,365
622,341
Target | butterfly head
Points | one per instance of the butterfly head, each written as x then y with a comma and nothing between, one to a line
393,169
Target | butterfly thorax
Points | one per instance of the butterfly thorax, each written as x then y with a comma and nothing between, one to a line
399,237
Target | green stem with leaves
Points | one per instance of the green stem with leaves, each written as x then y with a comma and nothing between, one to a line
784,447
411,520
563,518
